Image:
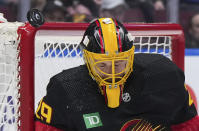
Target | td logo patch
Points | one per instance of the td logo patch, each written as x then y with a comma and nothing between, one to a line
92,120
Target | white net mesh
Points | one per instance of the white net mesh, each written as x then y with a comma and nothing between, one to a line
8,76
153,44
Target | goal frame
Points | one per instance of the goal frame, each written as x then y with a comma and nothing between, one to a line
26,47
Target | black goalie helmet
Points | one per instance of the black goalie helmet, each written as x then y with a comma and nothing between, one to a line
107,42
97,37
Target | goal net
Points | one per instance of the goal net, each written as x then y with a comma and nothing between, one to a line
30,56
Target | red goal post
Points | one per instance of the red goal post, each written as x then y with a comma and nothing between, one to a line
166,39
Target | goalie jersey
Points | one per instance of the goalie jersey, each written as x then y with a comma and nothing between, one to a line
154,97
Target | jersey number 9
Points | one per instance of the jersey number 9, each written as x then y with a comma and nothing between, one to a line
44,112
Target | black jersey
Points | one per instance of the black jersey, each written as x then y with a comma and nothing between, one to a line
154,96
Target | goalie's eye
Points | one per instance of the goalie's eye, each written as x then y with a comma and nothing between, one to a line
116,65
101,65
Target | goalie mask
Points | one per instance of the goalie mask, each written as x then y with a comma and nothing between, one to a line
108,52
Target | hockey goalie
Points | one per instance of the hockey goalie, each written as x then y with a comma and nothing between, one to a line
117,90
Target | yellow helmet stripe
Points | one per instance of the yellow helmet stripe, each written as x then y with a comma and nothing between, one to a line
109,35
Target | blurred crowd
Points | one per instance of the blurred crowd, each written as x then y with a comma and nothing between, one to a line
87,10
148,11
